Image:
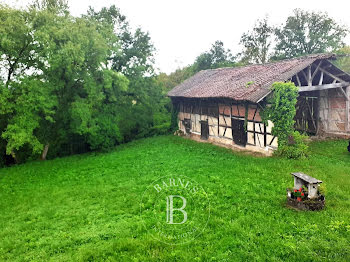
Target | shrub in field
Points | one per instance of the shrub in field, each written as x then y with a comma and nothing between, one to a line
174,118
280,109
296,147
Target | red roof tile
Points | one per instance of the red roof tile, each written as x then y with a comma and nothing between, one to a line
250,83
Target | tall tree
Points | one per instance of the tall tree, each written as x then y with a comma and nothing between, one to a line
308,33
24,96
175,78
85,87
135,59
59,6
216,57
343,60
59,90
257,43
73,84
136,51
18,49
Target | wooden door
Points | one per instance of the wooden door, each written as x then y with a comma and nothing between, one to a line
187,124
204,130
239,134
306,114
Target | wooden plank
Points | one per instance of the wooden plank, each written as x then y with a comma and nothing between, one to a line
298,79
347,108
321,79
302,71
231,104
257,132
322,87
342,74
307,178
309,79
316,70
328,110
218,105
272,140
344,93
254,132
331,75
311,114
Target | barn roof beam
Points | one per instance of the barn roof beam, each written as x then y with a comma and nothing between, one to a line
321,79
331,75
323,87
298,79
336,83
344,93
309,76
316,70
306,79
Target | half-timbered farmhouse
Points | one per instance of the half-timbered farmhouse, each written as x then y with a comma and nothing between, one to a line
223,105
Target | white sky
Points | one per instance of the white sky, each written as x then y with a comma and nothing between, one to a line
181,30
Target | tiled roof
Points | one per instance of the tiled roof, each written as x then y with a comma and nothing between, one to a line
250,83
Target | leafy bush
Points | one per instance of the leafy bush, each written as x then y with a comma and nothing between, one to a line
281,110
322,189
97,87
174,118
162,129
296,147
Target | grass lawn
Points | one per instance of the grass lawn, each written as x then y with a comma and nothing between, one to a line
87,207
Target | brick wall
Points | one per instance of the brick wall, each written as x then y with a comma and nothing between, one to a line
332,106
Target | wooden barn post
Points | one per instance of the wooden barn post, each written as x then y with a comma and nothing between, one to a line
347,108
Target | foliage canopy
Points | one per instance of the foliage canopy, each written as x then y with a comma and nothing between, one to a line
281,110
257,42
74,84
308,33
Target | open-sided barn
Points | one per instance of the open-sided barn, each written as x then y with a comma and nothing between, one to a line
216,104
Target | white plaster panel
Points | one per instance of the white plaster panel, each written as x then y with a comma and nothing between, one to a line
250,138
258,126
212,121
213,130
250,126
228,133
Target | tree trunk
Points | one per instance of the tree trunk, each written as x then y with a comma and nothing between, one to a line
44,153
14,157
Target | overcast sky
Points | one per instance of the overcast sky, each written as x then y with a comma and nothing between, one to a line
182,29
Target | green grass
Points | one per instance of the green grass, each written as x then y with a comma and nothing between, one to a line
86,207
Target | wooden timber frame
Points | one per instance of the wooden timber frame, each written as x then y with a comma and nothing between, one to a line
225,119
322,109
323,103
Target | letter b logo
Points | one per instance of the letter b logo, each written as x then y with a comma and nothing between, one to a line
170,209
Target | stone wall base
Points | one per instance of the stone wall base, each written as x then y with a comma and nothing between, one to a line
267,151
325,135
